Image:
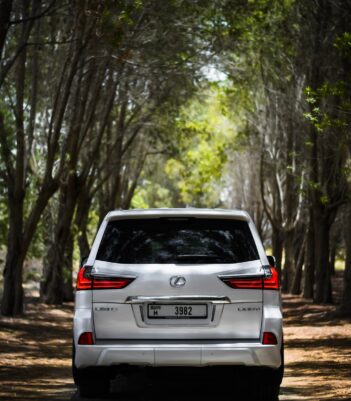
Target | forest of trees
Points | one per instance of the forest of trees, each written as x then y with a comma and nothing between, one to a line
111,104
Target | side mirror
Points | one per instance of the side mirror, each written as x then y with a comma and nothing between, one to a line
271,260
83,261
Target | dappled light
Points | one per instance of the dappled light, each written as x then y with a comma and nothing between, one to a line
35,359
232,107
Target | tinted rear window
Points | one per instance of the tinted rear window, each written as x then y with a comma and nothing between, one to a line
167,240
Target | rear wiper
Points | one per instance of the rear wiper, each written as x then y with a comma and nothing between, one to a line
197,257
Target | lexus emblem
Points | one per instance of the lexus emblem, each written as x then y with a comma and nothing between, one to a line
177,281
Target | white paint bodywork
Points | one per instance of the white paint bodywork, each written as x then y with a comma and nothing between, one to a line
230,335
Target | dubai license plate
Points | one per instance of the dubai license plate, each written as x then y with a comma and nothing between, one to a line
177,311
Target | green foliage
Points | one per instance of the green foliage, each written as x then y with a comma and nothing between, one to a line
329,113
343,43
328,94
206,133
151,194
189,171
331,102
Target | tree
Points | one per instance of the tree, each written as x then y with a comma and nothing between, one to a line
329,133
302,165
147,79
21,149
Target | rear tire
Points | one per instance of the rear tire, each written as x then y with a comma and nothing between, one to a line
266,385
92,383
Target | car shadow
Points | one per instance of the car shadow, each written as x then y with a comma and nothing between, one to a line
141,388
171,394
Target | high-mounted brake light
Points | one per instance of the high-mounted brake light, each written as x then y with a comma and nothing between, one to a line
85,281
269,282
86,338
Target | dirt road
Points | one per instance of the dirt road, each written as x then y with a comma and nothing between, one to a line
35,354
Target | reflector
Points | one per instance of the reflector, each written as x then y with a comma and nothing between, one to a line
269,338
86,338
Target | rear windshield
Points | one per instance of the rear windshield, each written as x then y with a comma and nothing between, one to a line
173,240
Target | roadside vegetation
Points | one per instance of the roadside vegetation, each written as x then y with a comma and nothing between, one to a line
226,103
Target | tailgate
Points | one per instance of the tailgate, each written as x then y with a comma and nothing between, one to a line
155,307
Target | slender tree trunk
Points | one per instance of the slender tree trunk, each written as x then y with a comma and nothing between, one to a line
52,289
81,222
5,13
345,306
277,247
323,293
332,258
67,286
289,263
12,300
83,242
308,285
295,287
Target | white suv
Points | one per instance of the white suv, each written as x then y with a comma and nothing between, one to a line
177,287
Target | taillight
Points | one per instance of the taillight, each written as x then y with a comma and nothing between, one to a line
269,338
272,282
244,283
102,283
269,282
85,281
86,338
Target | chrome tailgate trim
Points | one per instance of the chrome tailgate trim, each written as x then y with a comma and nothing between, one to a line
178,299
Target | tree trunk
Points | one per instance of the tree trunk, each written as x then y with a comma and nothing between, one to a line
12,300
277,247
323,293
83,243
332,258
67,286
308,286
345,306
5,13
81,222
295,287
289,263
52,289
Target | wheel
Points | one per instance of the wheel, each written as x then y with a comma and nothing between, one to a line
92,383
265,385
74,369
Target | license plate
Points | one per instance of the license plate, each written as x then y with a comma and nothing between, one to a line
177,311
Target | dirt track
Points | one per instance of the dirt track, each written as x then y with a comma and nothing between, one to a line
35,354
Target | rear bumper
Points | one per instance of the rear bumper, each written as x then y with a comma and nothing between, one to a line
179,354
